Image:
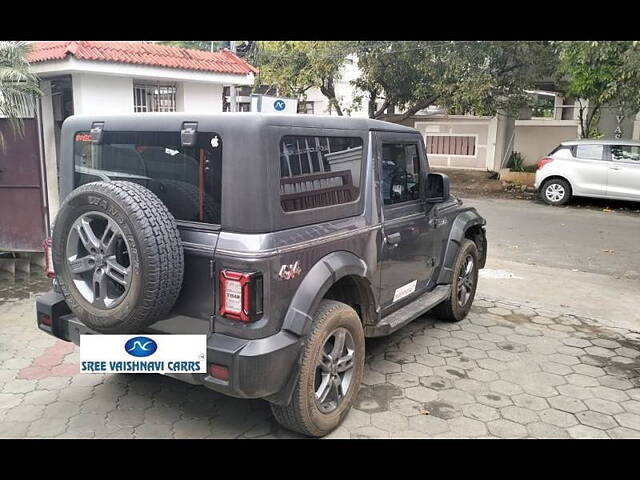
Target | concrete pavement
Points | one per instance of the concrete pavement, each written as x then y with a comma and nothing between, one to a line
572,260
506,371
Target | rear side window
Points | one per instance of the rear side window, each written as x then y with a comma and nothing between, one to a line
187,179
319,171
589,152
625,153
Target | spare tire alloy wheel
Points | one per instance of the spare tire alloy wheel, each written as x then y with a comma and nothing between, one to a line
118,256
99,265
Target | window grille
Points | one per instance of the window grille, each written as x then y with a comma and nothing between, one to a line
451,145
154,97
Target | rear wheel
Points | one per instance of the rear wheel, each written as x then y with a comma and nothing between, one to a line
555,191
330,373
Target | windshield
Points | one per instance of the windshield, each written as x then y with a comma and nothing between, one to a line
188,180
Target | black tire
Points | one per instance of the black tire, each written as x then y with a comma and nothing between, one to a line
303,413
450,309
560,195
154,255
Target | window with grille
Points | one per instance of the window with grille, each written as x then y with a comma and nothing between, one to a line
154,97
318,171
306,107
451,145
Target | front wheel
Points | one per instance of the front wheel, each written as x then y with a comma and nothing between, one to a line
463,286
330,373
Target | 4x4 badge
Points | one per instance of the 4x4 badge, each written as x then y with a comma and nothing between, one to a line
287,272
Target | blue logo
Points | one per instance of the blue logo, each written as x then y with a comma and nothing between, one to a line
140,346
279,105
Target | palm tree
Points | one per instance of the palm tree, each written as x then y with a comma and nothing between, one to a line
19,86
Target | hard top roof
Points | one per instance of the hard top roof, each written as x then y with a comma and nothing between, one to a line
144,121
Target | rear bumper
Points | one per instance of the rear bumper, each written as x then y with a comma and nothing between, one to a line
257,368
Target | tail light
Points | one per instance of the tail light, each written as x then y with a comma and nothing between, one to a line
240,295
544,161
48,259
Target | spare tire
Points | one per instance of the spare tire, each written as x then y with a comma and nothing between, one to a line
117,255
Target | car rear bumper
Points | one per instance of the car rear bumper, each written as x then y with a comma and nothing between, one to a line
257,368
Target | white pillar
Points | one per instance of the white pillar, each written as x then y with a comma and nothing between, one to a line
50,154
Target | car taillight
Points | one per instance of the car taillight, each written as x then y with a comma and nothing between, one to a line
240,295
544,161
48,259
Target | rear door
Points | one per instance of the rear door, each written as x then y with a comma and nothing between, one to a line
188,180
408,247
623,180
587,170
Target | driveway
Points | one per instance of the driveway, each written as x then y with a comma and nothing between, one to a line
551,349
571,259
506,371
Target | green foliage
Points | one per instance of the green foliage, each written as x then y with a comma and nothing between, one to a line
19,87
516,162
479,77
602,72
205,45
296,66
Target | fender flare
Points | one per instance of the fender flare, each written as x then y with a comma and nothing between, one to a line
316,283
461,224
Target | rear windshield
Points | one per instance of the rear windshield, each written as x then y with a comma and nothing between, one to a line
187,179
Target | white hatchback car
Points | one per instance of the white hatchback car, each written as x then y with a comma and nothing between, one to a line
590,168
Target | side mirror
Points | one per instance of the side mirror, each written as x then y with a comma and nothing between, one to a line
437,188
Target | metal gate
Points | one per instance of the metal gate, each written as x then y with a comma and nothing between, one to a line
22,205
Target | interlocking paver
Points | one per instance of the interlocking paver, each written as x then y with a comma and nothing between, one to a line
567,404
511,372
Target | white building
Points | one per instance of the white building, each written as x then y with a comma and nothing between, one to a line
85,77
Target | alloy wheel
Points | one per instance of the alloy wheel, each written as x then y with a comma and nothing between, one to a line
334,370
465,280
97,255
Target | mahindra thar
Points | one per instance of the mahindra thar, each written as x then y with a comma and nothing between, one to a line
285,239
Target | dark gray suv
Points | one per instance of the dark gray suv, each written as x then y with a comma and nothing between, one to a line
286,239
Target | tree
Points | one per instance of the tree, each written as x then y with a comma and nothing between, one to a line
463,76
206,45
19,86
599,74
296,66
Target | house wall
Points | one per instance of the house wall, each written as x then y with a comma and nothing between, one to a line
199,97
102,94
459,125
536,138
608,123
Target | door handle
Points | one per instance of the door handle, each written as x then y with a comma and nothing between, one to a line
393,239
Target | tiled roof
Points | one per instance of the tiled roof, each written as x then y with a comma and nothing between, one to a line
139,53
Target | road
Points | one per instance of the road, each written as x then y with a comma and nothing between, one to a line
573,259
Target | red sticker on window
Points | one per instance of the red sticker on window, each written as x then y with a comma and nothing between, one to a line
83,137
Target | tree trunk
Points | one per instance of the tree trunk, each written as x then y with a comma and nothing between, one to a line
328,90
371,106
417,107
